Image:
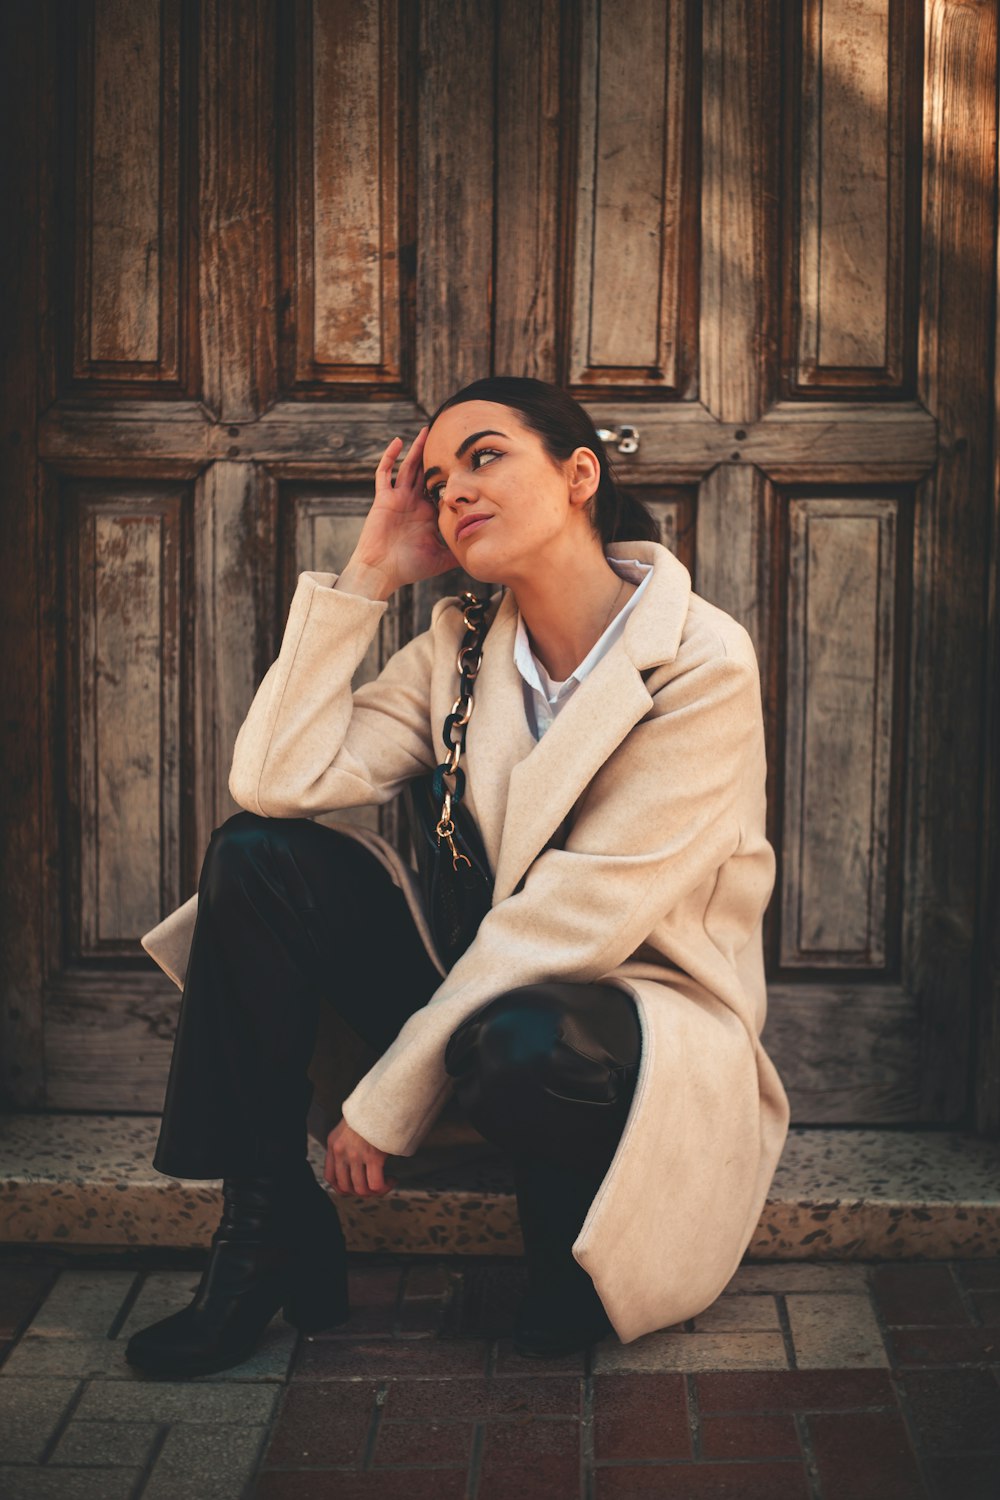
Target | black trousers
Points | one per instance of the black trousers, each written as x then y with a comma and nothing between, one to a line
293,915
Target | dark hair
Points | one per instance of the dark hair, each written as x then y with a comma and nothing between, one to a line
563,425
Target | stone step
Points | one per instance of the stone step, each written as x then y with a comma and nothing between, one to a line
838,1194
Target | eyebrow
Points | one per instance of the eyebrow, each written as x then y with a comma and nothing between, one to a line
472,438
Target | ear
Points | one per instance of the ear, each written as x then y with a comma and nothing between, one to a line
583,474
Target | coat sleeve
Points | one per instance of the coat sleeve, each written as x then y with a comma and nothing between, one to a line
308,745
659,819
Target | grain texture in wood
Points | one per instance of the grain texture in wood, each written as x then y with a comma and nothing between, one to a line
951,546
237,239
455,205
527,201
739,196
126,723
838,733
234,629
634,307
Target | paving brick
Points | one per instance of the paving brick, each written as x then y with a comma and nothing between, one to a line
208,1463
641,1416
793,1390
795,1276
422,1316
979,1273
30,1411
954,1410
339,1359
551,1395
375,1484
161,1293
423,1443
704,1481
866,1455
669,1350
69,1484
987,1305
82,1304
323,1424
944,1346
835,1332
198,1400
109,1443
486,1301
509,1362
917,1294
535,1459
22,1288
970,1476
756,1436
82,1358
738,1315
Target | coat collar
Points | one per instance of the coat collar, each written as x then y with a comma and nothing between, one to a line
521,789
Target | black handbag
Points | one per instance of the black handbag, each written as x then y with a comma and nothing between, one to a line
454,871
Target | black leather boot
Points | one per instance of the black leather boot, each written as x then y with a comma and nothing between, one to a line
279,1244
561,1312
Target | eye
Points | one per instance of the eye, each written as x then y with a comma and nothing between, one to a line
431,493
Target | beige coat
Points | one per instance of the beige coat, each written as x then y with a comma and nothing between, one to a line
659,886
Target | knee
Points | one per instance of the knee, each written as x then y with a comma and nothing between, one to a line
512,1038
233,848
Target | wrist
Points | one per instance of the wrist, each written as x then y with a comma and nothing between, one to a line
361,578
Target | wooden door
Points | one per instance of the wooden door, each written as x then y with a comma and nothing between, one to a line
271,236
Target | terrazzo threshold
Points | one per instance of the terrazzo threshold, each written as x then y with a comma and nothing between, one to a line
838,1194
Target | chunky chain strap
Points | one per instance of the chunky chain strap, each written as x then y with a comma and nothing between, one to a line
470,656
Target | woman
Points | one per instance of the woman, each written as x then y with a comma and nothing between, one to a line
603,1026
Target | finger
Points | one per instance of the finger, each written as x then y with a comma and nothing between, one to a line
329,1174
411,464
359,1181
376,1175
342,1174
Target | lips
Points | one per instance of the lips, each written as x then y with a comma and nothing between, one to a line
471,523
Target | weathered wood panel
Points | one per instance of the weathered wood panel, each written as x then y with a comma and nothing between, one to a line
739,198
948,687
838,737
125,729
634,292
237,272
321,526
527,202
130,214
455,205
853,106
234,629
345,311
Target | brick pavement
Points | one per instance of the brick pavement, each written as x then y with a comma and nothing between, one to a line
804,1381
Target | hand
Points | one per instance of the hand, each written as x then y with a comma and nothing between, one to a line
354,1165
400,536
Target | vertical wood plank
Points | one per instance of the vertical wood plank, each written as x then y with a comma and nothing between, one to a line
527,203
456,206
948,686
128,717
236,156
26,595
851,244
739,194
235,641
634,236
127,318
838,741
733,548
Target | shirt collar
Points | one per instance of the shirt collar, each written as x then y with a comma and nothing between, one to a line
531,669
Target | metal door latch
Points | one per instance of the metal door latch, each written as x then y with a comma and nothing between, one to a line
626,439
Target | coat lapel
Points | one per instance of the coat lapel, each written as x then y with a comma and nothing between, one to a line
519,789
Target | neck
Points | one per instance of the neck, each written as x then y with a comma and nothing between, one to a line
567,607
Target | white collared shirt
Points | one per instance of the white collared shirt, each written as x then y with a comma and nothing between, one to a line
543,698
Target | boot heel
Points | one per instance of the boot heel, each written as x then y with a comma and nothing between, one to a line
316,1297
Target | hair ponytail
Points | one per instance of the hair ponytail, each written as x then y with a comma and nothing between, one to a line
563,425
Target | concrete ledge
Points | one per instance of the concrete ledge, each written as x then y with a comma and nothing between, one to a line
837,1194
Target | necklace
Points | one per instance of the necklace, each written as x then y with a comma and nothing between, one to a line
614,601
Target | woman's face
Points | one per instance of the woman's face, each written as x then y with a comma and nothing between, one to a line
479,459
